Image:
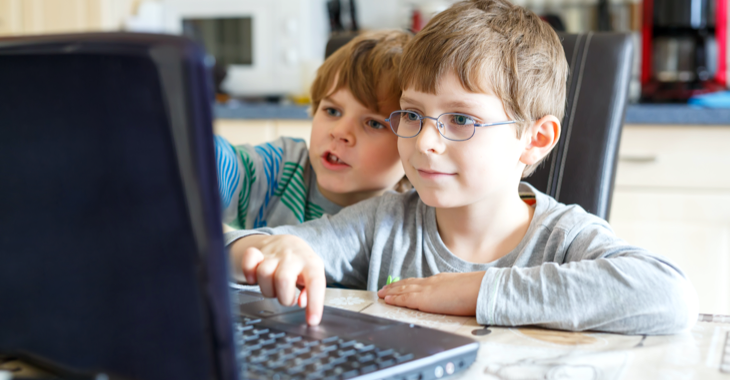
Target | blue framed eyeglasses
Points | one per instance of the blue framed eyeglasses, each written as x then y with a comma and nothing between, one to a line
452,126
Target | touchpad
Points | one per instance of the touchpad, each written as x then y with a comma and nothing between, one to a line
265,307
334,322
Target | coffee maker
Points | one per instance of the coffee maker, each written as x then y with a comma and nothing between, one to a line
684,45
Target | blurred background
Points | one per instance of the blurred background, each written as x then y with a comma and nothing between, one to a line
271,49
671,193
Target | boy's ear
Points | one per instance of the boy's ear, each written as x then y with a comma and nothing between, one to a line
540,139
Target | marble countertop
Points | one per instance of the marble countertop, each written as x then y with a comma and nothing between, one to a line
662,114
530,352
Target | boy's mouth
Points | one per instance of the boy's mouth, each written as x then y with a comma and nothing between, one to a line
433,174
332,161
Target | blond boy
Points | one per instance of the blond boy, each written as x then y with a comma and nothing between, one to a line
472,239
352,154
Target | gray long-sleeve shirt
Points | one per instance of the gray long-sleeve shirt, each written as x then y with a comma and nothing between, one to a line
569,272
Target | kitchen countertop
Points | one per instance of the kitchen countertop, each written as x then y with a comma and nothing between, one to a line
260,111
676,114
662,114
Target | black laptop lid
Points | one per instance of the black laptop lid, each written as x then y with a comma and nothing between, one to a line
111,254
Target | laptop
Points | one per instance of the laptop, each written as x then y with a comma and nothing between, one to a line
111,245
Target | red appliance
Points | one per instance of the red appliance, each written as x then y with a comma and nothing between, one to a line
684,49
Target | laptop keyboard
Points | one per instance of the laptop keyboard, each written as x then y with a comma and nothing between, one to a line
272,354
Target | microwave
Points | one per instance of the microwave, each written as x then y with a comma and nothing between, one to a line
268,48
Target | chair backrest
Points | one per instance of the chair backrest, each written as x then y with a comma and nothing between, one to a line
582,167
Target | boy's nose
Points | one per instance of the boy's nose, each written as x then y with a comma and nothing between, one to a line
343,131
429,140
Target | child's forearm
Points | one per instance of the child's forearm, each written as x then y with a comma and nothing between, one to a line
632,294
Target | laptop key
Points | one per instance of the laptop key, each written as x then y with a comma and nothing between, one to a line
295,370
314,376
347,343
286,356
302,350
293,339
384,352
318,366
319,355
330,339
368,368
350,374
274,364
354,365
260,331
256,352
336,371
309,342
276,335
251,347
257,359
365,358
384,363
267,341
337,361
251,321
402,358
364,348
344,353
331,347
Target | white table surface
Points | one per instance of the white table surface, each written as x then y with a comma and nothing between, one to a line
534,353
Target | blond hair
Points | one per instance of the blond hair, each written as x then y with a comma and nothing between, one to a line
492,45
367,66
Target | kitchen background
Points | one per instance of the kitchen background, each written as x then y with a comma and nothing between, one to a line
671,196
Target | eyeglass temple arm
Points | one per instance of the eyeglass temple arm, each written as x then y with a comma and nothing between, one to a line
497,123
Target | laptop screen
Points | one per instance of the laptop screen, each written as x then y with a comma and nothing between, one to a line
101,263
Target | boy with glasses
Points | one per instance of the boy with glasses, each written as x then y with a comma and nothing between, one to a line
483,96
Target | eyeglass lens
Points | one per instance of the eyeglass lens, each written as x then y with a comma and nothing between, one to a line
452,126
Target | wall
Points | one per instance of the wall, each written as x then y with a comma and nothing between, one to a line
63,16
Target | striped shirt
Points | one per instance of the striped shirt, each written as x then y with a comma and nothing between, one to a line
268,185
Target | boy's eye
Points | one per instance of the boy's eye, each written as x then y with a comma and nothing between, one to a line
332,112
461,120
375,124
412,116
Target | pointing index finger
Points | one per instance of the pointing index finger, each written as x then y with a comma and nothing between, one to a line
315,287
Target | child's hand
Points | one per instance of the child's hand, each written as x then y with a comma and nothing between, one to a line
444,293
280,264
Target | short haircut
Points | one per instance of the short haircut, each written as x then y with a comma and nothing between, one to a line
367,66
492,45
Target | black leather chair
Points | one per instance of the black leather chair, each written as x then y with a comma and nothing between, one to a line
582,167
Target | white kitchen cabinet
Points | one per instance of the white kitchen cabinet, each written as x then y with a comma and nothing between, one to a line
10,17
19,17
246,131
672,196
